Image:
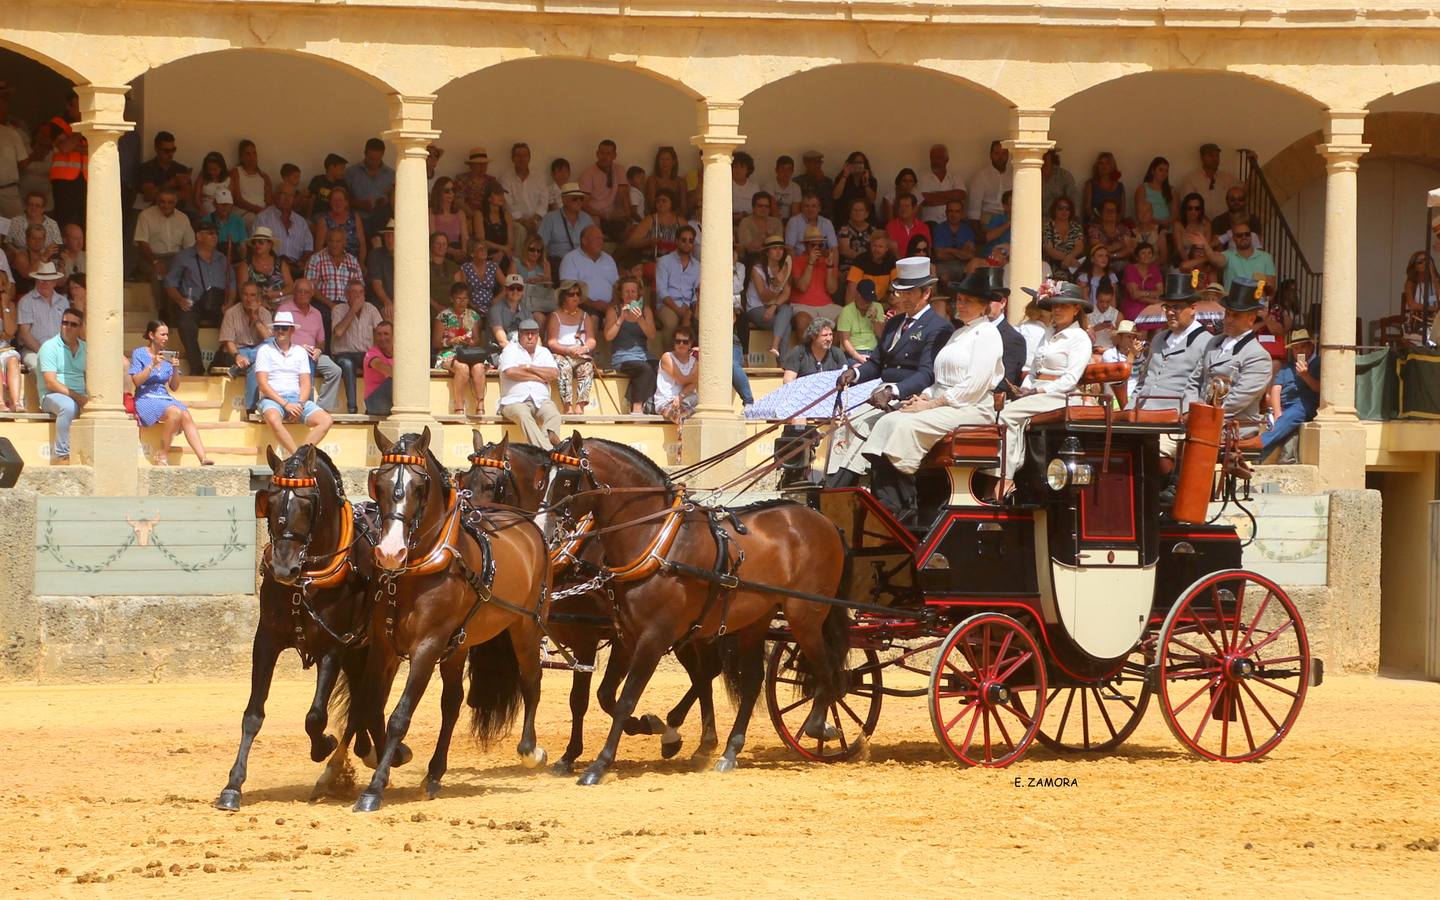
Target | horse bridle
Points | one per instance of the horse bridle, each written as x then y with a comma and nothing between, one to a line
397,495
288,486
506,476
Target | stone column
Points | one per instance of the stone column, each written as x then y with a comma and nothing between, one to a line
1030,130
410,133
104,436
715,426
1335,441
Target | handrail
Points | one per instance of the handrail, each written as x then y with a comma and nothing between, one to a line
1279,239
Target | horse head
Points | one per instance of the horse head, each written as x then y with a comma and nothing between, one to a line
492,476
291,504
410,490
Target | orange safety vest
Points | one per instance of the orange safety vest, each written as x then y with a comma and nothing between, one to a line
72,165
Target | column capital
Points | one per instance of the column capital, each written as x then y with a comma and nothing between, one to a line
1342,157
102,110
1028,154
411,121
1344,126
1031,124
719,126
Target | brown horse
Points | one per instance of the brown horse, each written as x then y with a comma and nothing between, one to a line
683,573
514,475
448,584
313,599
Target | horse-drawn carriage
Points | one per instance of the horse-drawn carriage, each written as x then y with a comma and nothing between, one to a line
1058,615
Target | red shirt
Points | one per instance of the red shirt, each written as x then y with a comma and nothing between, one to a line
815,295
902,235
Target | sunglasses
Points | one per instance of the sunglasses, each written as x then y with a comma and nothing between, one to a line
70,324
680,341
533,249
514,287
1240,234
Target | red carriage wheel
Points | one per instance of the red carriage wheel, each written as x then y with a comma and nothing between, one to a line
853,717
1097,717
1233,666
987,691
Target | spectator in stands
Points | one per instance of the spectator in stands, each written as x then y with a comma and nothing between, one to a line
34,253
229,225
290,177
988,184
666,177
676,394
1190,236
510,309
677,284
60,361
494,225
213,175
244,328
1418,298
814,280
853,237
1103,288
591,264
785,189
1034,328
379,367
939,186
283,372
372,188
310,334
354,322
1155,189
906,224
860,323
559,178
153,376
629,327
321,185
1104,184
855,181
199,286
1094,271
260,265
330,271
570,337
482,275
752,231
380,272
1295,392
251,187
816,352
533,268
34,214
14,400
433,155
1242,260
161,172
742,185
527,192
346,221
458,343
814,180
1107,230
609,200
810,217
470,184
16,157
448,218
1125,348
442,271
1209,181
767,298
160,233
995,232
294,241
74,288
954,242
905,181
1056,182
526,373
1142,280
561,228
1062,238
875,267
1236,200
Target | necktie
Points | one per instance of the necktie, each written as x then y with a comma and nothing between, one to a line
904,327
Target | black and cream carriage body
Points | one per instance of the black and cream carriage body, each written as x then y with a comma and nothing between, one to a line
1057,616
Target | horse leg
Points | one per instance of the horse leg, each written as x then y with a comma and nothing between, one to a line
702,680
263,655
643,661
452,694
422,666
579,705
615,669
339,775
367,713
327,668
825,645
525,635
750,660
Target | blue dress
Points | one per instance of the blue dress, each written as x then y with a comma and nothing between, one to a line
152,396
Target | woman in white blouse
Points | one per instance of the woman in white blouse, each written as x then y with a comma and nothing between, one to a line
1055,369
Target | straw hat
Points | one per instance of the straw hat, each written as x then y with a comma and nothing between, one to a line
47,272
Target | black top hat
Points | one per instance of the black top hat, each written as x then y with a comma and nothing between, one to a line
996,276
974,285
1245,295
1064,292
1180,287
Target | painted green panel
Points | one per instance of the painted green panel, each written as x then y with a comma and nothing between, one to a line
117,509
171,534
143,584
1290,573
193,558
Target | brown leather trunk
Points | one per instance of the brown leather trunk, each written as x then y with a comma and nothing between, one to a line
1197,467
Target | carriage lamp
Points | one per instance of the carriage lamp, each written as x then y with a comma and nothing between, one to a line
1068,468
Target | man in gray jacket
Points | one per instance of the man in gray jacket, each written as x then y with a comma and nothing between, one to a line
1235,356
1175,351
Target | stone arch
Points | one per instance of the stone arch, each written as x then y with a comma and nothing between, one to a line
1407,136
54,63
328,58
634,64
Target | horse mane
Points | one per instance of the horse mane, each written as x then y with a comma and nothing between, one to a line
406,444
533,454
761,505
638,459
322,459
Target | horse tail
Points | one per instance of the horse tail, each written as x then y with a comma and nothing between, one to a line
340,699
731,663
494,696
835,634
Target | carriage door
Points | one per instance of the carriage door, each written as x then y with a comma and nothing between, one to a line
1103,588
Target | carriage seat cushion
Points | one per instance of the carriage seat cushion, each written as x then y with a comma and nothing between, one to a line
1105,373
1090,413
973,444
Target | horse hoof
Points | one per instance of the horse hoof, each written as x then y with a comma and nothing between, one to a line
826,732
724,764
590,778
535,758
320,751
403,755
229,800
563,766
670,745
370,759
367,802
432,788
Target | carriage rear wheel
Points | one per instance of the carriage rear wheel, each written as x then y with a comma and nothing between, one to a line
987,691
1232,665
853,717
1097,717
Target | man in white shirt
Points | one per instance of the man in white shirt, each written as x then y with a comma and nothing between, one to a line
1209,181
353,323
785,190
526,372
282,371
14,158
528,192
40,314
293,238
938,186
591,264
988,185
809,217
161,232
677,285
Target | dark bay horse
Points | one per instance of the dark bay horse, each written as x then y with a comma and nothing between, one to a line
450,589
312,599
647,529
514,475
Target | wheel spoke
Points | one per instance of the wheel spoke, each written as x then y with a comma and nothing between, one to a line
985,712
1019,661
1000,654
1003,733
1250,629
1065,715
1100,704
1200,654
839,730
1225,723
961,672
1252,649
974,709
1209,711
1025,718
1203,688
1273,686
1219,618
1239,609
851,713
1200,623
1085,719
786,709
968,707
1245,721
1263,711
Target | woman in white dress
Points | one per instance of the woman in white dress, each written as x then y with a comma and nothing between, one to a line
675,384
1055,369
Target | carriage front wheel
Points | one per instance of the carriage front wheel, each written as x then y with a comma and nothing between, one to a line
1232,666
852,717
987,691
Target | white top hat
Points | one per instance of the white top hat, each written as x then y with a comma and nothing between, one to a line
912,272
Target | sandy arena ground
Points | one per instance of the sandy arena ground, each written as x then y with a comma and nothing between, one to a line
114,785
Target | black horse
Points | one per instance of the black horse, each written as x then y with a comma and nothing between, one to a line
313,598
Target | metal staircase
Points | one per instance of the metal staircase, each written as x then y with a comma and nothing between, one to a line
1279,240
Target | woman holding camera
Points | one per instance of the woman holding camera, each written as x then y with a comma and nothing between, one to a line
629,326
153,373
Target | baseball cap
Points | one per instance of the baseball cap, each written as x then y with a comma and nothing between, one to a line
512,280
223,195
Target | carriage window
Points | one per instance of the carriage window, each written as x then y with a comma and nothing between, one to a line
1107,506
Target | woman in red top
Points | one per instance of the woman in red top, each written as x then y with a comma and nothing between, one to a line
814,279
